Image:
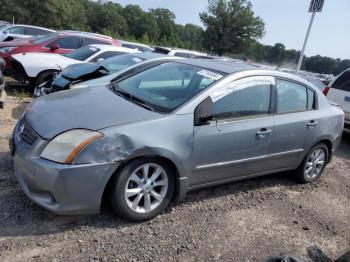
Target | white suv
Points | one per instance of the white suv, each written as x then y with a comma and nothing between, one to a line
339,92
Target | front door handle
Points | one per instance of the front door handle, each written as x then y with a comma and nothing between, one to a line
312,123
264,132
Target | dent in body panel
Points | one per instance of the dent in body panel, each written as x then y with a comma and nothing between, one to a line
169,137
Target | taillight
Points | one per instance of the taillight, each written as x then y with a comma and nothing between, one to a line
326,90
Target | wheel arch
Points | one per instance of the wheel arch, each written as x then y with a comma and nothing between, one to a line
180,188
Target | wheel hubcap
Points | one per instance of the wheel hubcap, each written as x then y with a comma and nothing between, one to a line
315,163
146,188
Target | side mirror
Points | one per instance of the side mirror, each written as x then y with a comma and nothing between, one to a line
54,47
100,59
203,113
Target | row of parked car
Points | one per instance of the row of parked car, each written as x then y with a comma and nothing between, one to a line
141,129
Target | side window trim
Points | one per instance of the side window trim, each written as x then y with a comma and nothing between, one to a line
315,106
271,102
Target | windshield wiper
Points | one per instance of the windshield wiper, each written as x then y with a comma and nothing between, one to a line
131,98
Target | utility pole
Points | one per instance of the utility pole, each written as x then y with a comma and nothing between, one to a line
315,6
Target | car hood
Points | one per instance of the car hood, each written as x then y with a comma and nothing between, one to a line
76,71
89,108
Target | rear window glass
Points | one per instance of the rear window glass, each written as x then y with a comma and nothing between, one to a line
342,82
92,41
291,96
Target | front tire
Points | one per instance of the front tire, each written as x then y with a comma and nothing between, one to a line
143,189
44,77
313,164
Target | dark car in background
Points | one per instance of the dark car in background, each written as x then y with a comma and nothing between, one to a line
60,43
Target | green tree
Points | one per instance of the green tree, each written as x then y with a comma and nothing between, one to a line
166,23
276,54
231,26
341,66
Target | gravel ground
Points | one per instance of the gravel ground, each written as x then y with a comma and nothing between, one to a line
242,221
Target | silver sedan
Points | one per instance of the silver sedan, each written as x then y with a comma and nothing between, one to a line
154,135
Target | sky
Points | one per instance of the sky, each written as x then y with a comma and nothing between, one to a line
286,22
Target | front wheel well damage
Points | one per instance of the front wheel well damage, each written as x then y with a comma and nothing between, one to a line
107,189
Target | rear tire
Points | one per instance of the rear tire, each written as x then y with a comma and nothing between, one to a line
138,197
313,164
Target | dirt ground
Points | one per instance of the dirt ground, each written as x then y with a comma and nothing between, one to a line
242,221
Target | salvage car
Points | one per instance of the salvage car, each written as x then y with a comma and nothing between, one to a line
41,67
9,32
61,42
81,75
150,137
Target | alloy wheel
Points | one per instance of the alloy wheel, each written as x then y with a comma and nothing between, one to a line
146,188
315,163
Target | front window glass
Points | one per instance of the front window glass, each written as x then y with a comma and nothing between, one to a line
118,63
243,98
83,53
169,85
292,97
44,39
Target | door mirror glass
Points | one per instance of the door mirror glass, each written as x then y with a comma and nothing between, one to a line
203,113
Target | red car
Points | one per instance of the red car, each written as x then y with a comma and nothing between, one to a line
60,42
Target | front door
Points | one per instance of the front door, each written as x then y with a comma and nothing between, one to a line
236,143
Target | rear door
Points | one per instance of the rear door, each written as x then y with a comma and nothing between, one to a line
340,93
296,123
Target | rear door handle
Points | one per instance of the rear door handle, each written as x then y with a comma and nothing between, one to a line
312,123
264,132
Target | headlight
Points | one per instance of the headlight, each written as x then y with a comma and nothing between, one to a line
6,49
66,146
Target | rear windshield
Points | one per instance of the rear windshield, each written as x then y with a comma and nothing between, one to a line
121,62
343,82
82,53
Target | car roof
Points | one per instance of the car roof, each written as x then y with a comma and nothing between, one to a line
150,55
32,26
133,43
169,49
225,66
114,48
80,33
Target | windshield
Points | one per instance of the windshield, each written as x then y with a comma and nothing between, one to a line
82,53
167,86
44,38
121,62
